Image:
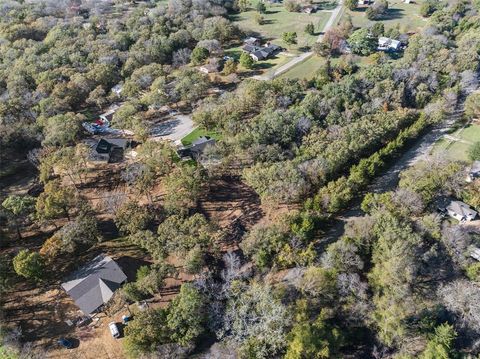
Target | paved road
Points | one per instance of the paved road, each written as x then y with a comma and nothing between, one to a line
332,20
173,129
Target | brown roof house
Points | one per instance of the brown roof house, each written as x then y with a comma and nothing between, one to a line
92,286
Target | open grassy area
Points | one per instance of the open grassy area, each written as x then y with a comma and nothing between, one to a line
196,133
305,69
407,16
457,150
278,20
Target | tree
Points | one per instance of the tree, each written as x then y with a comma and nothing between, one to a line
428,8
243,5
61,130
30,265
377,10
246,61
145,333
260,7
183,187
131,218
377,29
362,43
292,5
199,55
310,29
190,85
55,201
19,207
472,105
351,4
259,19
186,315
289,37
80,232
441,343
230,67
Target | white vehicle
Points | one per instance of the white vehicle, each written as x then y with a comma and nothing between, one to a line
114,330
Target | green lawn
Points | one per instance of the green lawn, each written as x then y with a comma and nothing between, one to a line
278,20
458,150
305,69
196,133
407,16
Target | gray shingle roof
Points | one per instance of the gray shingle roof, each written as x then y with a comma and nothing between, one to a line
462,210
94,284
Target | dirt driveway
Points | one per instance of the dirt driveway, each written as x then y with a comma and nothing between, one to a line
173,129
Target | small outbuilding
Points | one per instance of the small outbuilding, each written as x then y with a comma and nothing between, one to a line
474,172
461,211
93,285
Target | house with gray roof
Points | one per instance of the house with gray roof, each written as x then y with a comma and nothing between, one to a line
92,286
461,211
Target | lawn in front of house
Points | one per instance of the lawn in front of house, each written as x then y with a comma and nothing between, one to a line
197,133
277,21
456,150
406,16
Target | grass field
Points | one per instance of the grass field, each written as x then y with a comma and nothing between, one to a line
278,20
407,16
196,133
457,150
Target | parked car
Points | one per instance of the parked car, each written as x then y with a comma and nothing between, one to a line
65,343
114,330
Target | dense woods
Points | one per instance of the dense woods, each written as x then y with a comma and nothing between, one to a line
399,282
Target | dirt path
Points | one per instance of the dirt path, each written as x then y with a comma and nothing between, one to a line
420,150
298,59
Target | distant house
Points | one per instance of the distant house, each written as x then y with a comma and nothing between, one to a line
252,41
117,89
92,286
197,148
387,44
250,48
208,68
474,172
461,211
475,253
309,9
109,150
363,2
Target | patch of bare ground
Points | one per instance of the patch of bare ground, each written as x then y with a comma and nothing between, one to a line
233,206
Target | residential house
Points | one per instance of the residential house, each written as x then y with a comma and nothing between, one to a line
309,9
197,148
474,172
93,285
265,52
461,211
387,44
252,41
109,150
364,2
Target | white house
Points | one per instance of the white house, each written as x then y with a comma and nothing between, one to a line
387,44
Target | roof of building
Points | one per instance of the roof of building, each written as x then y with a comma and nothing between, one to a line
260,54
461,209
251,40
475,168
250,48
388,43
94,284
